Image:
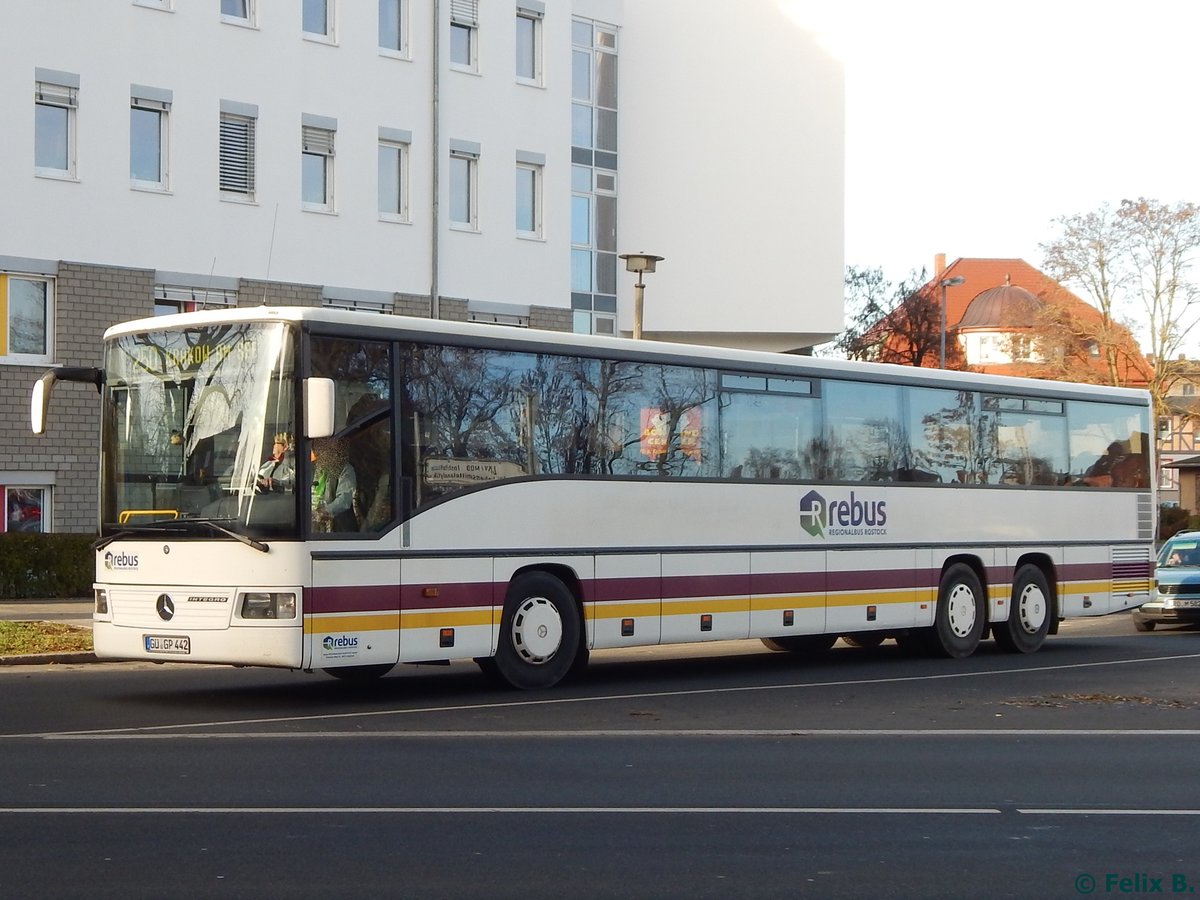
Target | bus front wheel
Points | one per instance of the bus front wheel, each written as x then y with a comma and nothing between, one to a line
1028,613
539,632
961,614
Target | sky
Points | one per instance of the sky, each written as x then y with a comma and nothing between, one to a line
971,126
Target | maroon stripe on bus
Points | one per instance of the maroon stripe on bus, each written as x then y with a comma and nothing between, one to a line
450,595
787,582
882,580
355,598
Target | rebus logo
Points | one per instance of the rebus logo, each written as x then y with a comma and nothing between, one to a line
812,514
120,560
842,517
341,642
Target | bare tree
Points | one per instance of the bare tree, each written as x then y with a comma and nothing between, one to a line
1160,241
1087,253
889,323
1137,257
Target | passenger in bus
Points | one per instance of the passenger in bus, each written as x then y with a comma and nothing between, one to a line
334,485
278,473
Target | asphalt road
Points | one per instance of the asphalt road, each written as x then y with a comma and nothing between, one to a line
702,771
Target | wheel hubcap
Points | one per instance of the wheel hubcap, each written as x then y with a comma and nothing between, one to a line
537,630
960,608
1031,608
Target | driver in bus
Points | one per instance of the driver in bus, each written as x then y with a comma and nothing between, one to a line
278,473
334,486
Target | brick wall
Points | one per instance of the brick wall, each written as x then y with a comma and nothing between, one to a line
550,318
277,293
88,299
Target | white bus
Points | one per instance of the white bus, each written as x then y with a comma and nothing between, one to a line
522,498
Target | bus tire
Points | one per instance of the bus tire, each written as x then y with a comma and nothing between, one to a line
539,632
961,614
1029,613
359,674
801,643
867,640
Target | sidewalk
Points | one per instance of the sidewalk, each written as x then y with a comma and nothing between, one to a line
70,611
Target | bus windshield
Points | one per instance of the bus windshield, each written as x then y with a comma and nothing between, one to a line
198,431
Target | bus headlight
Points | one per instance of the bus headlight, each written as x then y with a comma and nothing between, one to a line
102,601
256,605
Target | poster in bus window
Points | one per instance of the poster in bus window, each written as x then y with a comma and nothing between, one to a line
656,432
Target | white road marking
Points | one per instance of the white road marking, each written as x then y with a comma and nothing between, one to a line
595,734
576,810
607,698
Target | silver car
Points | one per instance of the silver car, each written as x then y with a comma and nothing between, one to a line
1176,585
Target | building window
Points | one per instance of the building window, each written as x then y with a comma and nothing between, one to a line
594,176
464,184
316,163
393,174
393,35
318,18
26,508
56,98
168,5
529,199
237,156
529,41
464,38
239,12
177,298
149,110
26,319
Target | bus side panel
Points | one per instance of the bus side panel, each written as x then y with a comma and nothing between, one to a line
1085,580
627,611
706,597
787,593
352,613
456,594
874,589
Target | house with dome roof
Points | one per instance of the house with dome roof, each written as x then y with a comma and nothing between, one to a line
1004,316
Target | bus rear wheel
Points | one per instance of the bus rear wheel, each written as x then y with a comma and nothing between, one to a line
961,614
801,643
1028,613
867,640
539,633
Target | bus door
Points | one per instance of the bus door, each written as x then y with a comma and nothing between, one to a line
448,608
352,611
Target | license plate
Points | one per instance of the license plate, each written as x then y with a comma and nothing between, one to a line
1187,604
167,643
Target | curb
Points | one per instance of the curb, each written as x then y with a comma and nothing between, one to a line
44,659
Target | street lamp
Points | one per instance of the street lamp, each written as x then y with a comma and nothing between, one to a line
945,283
640,263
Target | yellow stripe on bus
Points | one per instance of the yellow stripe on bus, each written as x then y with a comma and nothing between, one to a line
388,621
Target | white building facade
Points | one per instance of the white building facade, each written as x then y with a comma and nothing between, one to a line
459,159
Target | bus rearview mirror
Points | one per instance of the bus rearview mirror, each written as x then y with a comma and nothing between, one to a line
318,407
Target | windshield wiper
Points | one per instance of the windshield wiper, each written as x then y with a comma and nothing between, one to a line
216,525
181,525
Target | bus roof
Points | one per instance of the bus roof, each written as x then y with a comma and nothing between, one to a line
537,340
